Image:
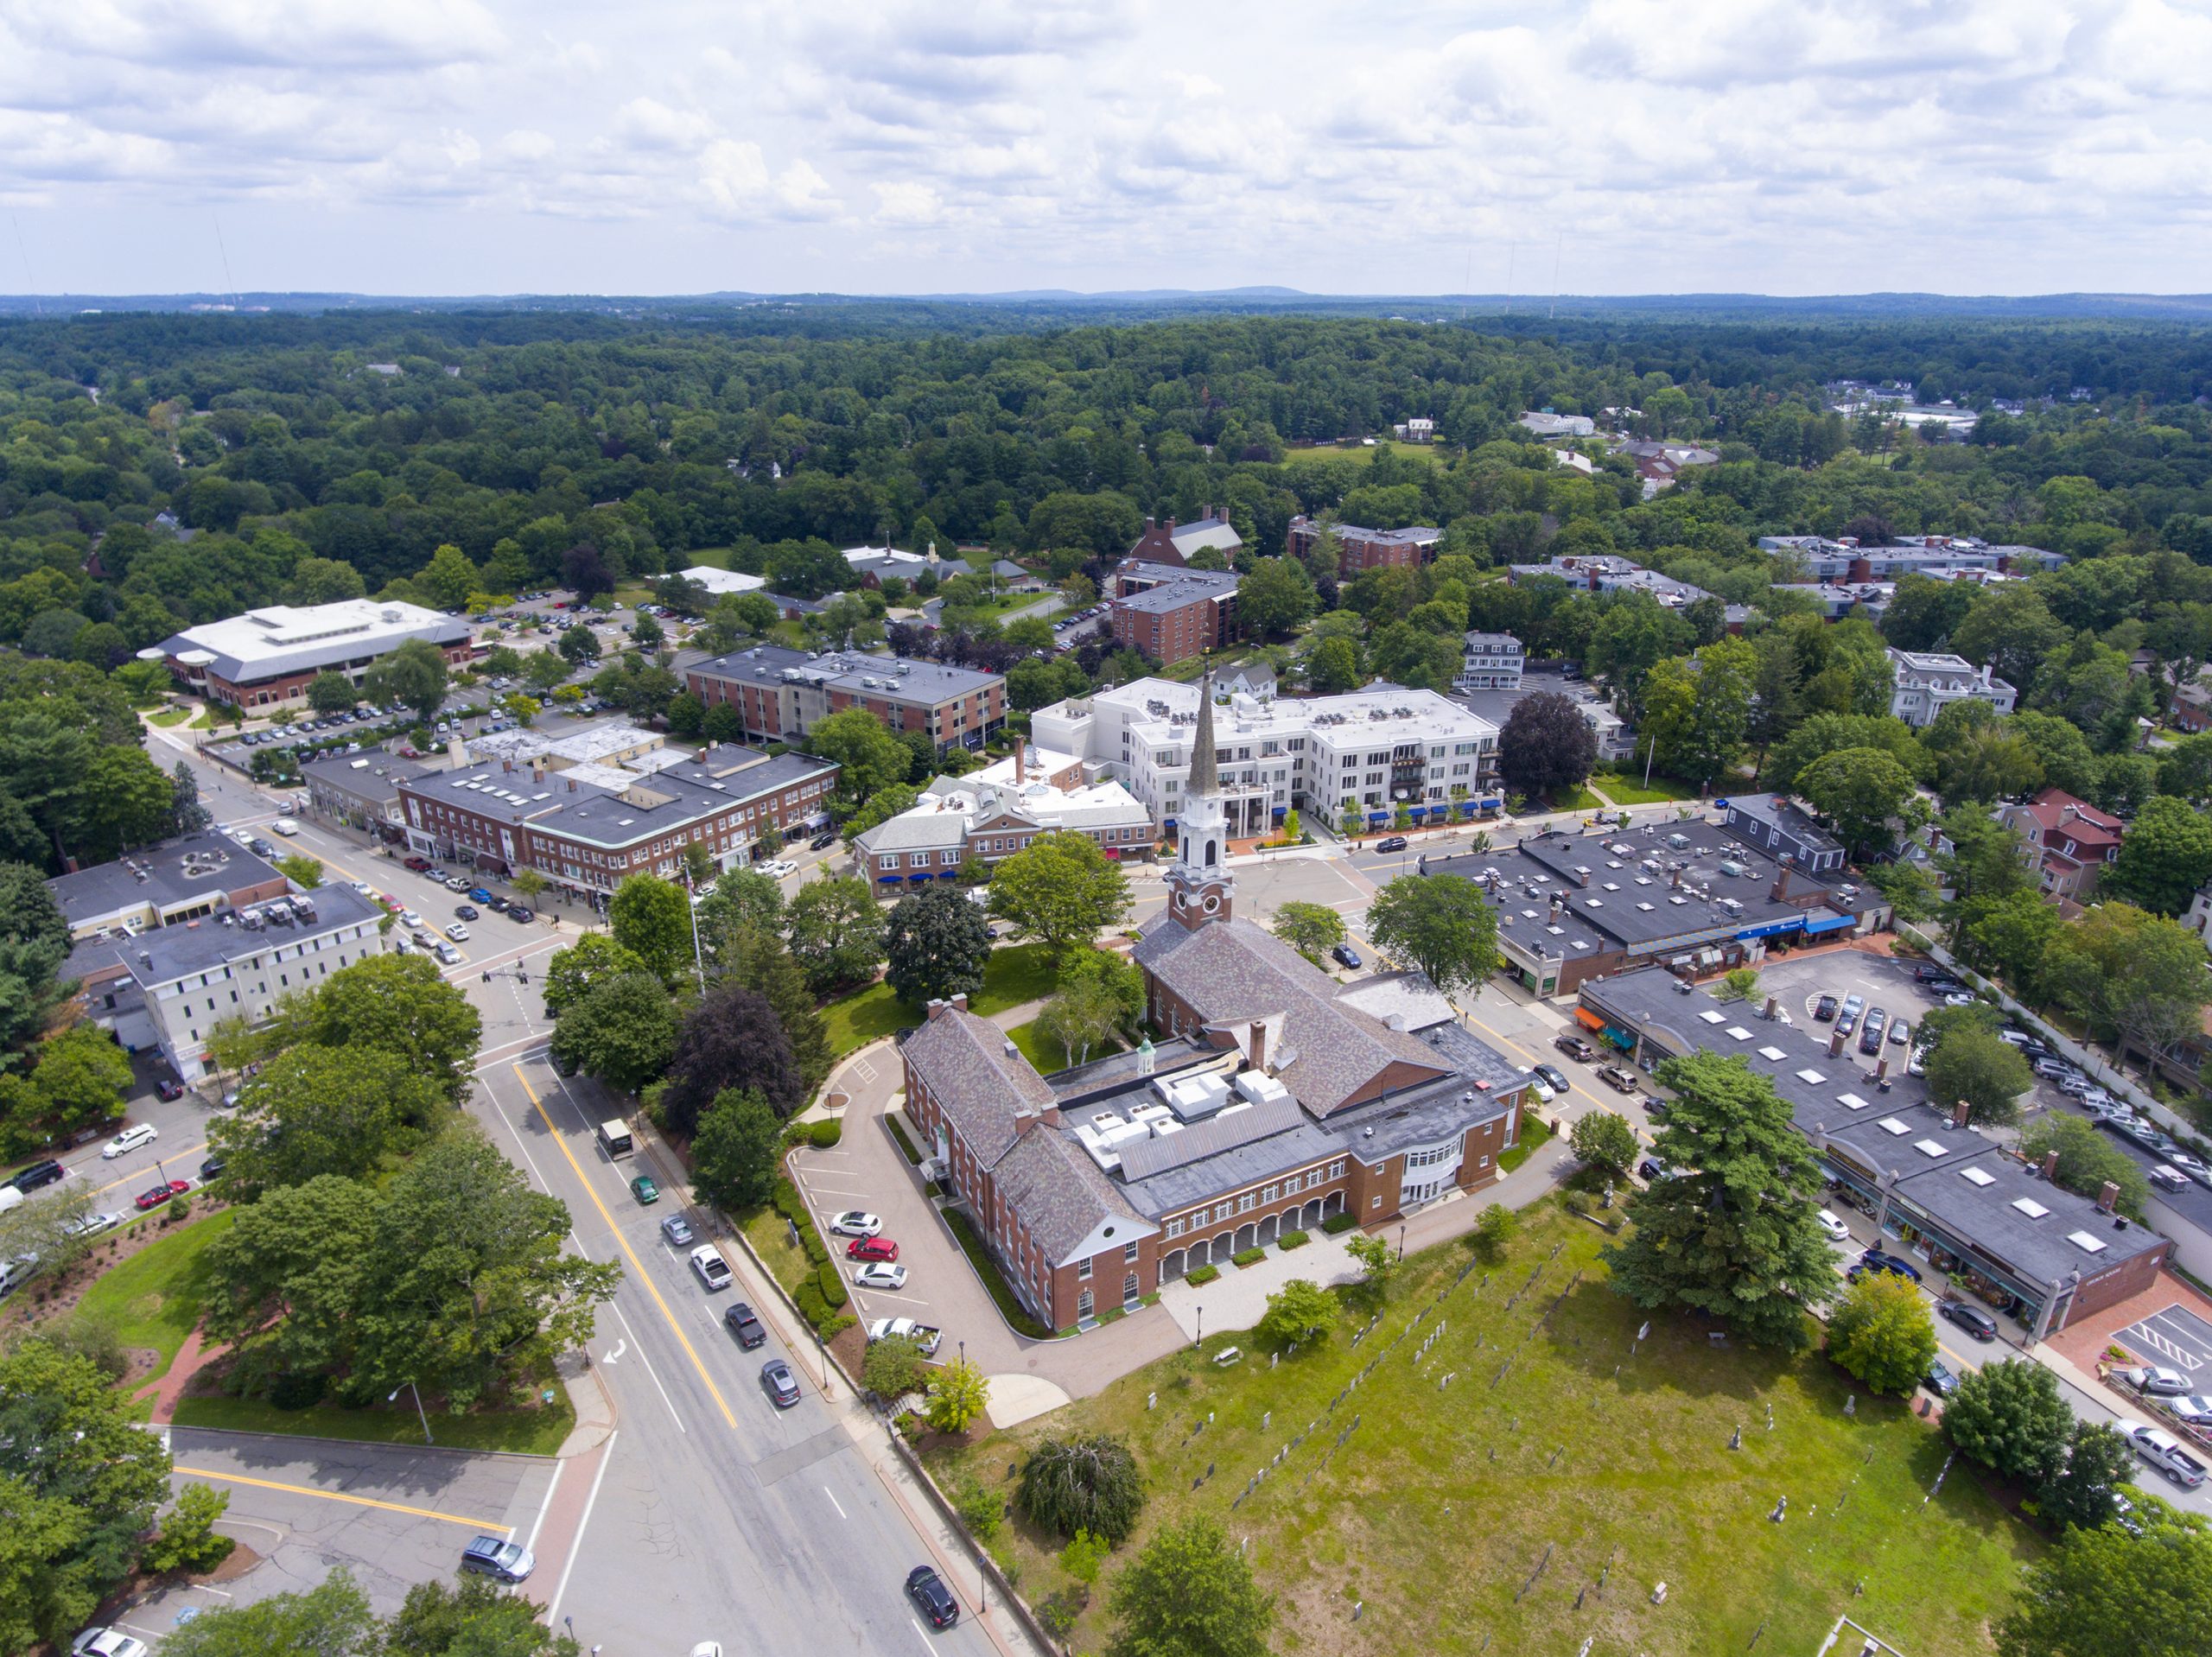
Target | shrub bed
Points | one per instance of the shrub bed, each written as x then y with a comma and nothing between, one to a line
1339,1222
834,1293
1202,1275
1291,1240
906,1145
971,1244
792,1207
1248,1256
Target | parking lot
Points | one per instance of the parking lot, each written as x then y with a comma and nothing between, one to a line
2176,1338
1799,981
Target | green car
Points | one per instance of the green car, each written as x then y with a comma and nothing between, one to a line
644,1190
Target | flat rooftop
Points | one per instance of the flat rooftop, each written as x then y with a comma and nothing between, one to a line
279,639
190,868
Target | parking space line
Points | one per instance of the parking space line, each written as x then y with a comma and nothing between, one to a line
630,1254
341,1496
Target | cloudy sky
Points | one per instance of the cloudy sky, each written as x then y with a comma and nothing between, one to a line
662,146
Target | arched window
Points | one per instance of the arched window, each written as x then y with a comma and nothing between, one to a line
1211,849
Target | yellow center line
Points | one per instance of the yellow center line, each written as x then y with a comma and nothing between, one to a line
140,1177
339,1495
636,1266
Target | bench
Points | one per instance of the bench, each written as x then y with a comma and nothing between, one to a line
1227,1356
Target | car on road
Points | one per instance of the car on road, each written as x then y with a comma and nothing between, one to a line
1540,1087
1391,843
522,917
823,842
1554,1074
1875,1260
644,1189
2156,1382
408,917
930,1594
1618,1078
714,1271
415,865
479,895
457,933
498,1559
457,883
1347,958
1833,1228
856,1222
169,1087
775,1381
154,1196
880,1275
106,1642
678,1230
744,1322
1651,1169
284,826
129,1140
467,912
1973,1319
2164,1452
1940,1380
1825,1008
1575,1047
211,1168
871,1248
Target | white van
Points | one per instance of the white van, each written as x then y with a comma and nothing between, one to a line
614,1139
284,826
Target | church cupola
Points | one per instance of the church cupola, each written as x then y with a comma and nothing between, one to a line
1199,886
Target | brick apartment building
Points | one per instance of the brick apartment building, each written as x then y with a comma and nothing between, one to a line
780,694
1278,1098
1170,613
1360,548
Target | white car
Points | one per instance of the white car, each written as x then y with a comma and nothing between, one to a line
408,917
129,1140
284,826
1538,1086
2193,1408
881,1275
714,1271
855,1223
90,1225
107,1642
447,955
1833,1229
364,888
457,933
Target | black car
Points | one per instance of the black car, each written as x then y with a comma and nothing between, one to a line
1553,1076
932,1598
1940,1380
1345,955
1651,1168
745,1324
1973,1319
39,1173
776,1382
823,842
517,912
465,911
1875,1260
1391,843
1824,1009
210,1167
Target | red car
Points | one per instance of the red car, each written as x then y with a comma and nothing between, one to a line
416,863
168,1087
154,1196
871,1248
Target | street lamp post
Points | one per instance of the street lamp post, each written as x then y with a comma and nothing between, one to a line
1402,1242
421,1414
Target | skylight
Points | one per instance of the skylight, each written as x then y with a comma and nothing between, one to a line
1891,1124
1739,1032
1978,1176
1774,1053
1850,1102
1931,1147
1711,1017
1677,899
2085,1242
1807,1074
2029,1206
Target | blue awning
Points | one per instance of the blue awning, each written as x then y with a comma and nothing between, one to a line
1492,804
1167,823
1378,817
1833,923
1281,811
1417,812
890,880
1772,928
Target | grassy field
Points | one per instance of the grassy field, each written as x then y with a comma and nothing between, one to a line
1014,975
1046,1054
153,1298
174,716
1631,790
1359,452
525,1433
1471,1516
1572,799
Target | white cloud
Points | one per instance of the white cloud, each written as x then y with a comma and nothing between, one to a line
466,145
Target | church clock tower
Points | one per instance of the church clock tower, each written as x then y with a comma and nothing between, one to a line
1199,886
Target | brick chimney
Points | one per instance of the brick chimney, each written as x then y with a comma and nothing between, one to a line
960,1002
2050,1165
1960,1112
1676,883
1835,1043
1259,1045
1020,753
1772,1002
1780,892
1582,877
1882,1068
936,1009
2107,1197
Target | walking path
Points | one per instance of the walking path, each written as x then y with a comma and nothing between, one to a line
165,1389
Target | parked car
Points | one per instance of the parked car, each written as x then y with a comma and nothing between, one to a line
645,1189
777,1381
1846,1018
1900,1032
1620,1080
880,1275
154,1196
1971,1319
1391,843
1833,1228
744,1322
678,1230
130,1139
1554,1074
1347,958
415,865
1940,1380
856,1222
90,1225
923,1586
169,1087
466,912
2194,1409
520,915
823,842
1825,1008
1916,1062
211,1168
714,1271
1651,1169
1540,1087
871,1248
106,1642
479,895
1575,1047
1875,1260
43,1173
2155,1382
1870,1037
498,1559
2164,1452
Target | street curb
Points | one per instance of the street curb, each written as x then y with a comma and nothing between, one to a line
371,1443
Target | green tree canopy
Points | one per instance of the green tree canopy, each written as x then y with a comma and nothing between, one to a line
651,919
1989,1075
592,959
316,1110
401,1005
2087,1160
2011,1417
2104,1593
936,944
1605,1140
735,1153
622,1031
836,931
1083,1484
870,756
1296,1312
414,675
1312,930
2165,857
1881,1331
1440,923
1060,890
1189,1593
1857,791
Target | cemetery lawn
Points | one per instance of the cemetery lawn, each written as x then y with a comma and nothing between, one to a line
1413,1516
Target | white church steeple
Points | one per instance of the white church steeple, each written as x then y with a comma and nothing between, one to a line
1199,886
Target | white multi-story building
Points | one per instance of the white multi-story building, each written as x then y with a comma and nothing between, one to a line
1381,747
1924,682
1489,662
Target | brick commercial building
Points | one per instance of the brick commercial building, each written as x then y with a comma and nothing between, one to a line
267,659
1279,1098
1170,543
589,810
1170,613
781,694
1946,1193
1359,548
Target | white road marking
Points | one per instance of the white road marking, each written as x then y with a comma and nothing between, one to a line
545,1506
655,1374
923,1638
553,1610
833,1501
616,1356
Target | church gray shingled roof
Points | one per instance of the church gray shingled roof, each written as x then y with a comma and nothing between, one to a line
1235,970
980,1084
1061,1195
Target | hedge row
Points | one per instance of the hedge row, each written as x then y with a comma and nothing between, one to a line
971,1244
822,1135
1202,1275
792,1207
834,1295
1337,1222
1291,1240
1248,1256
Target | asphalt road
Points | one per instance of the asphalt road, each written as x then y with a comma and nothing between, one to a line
717,1517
